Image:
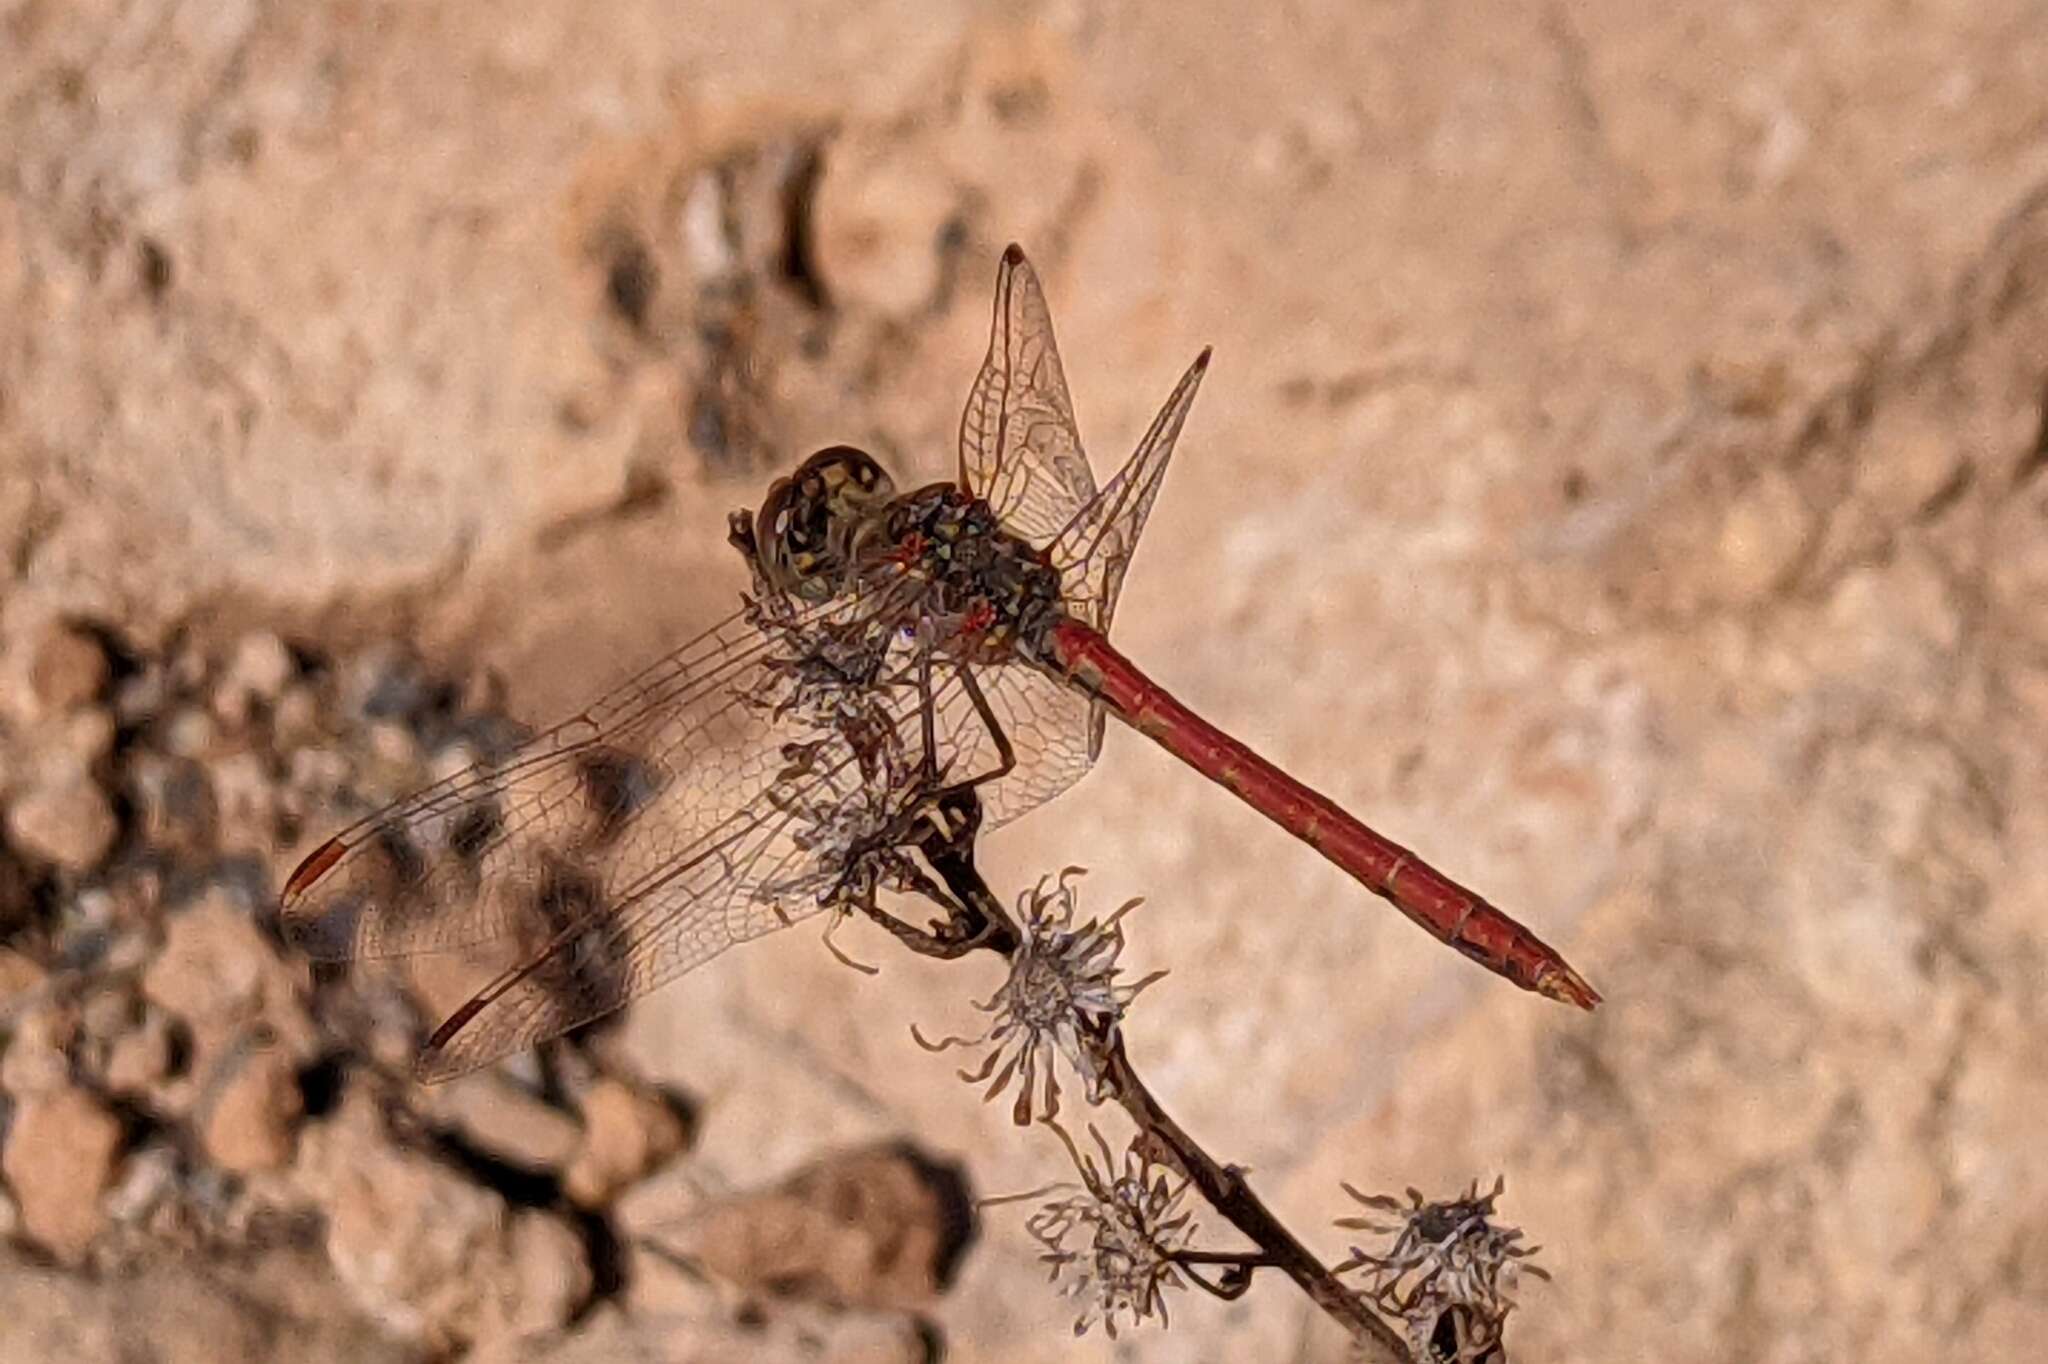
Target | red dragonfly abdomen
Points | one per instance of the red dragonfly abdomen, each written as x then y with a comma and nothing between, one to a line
1448,910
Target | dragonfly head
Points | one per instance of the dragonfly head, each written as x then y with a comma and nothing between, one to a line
814,523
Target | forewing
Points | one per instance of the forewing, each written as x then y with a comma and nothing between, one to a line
1094,549
607,795
759,870
1019,448
668,821
610,945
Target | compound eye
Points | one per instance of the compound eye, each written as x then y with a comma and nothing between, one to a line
843,467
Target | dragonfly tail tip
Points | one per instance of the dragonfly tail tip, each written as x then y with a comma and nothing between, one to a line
1567,986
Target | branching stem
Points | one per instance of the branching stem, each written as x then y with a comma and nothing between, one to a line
979,917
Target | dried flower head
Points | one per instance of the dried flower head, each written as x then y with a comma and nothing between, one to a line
1062,994
1129,1221
1449,1274
852,778
824,666
835,812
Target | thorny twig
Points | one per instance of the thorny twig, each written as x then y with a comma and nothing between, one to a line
948,848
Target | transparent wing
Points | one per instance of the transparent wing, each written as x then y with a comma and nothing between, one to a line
1093,550
625,780
685,811
1019,448
762,869
1055,732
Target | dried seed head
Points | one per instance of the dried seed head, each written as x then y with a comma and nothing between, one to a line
1062,995
1449,1273
1126,1219
853,776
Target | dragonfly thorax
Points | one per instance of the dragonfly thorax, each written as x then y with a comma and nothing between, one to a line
988,590
837,522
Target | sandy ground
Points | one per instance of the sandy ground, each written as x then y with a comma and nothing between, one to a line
1621,478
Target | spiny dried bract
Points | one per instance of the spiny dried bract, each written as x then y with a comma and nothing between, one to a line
826,668
836,812
1450,1273
1131,1225
1062,992
849,781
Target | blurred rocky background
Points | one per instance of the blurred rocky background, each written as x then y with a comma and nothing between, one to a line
1621,477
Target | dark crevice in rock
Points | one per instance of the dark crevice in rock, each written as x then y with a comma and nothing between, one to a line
631,280
959,1225
153,268
799,246
2036,457
321,1084
542,1191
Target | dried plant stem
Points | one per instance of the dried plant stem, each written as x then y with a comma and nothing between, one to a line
1225,1188
979,917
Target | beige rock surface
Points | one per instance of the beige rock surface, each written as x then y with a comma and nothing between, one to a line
1621,478
795,1338
870,1227
275,1308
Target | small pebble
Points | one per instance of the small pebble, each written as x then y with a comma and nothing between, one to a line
393,743
148,1178
261,665
108,1013
179,813
21,979
255,674
509,1122
626,1133
382,682
83,738
64,820
189,733
432,1255
140,1058
139,697
70,669
60,1157
296,715
252,1123
246,799
36,1059
878,221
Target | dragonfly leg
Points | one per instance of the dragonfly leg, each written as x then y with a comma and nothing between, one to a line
933,795
928,805
927,713
1006,753
943,940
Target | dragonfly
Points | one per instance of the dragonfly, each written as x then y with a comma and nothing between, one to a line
894,648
